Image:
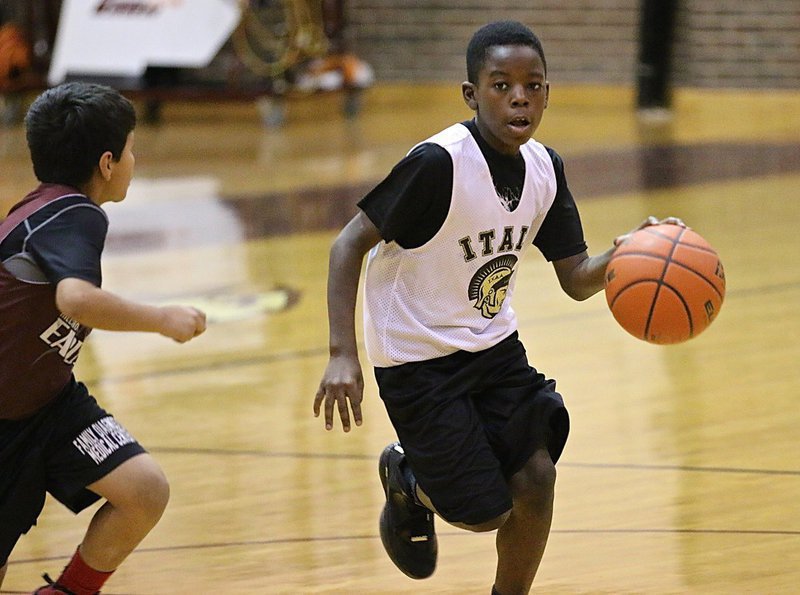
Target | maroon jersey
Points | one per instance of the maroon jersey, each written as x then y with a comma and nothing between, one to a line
38,344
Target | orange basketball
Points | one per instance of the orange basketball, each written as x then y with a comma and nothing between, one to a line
665,284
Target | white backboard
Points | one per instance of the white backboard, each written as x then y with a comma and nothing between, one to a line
123,37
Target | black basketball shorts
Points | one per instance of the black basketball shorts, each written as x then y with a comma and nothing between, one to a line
469,421
69,444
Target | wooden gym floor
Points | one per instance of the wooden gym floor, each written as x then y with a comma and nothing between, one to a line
681,474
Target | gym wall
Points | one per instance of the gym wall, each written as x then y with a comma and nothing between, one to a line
718,43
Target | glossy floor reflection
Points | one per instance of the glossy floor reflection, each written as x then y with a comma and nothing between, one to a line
681,474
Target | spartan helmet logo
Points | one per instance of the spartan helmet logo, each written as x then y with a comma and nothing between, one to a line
489,285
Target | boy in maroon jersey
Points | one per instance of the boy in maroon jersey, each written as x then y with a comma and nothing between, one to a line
54,437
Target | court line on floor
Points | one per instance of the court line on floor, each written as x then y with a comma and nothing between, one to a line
454,533
371,457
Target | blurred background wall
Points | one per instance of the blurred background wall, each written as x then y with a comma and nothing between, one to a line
717,43
650,45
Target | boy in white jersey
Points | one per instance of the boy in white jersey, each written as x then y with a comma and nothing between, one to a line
479,429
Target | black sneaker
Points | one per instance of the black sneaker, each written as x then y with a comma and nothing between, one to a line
407,529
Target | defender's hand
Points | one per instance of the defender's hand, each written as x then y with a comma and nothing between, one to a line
182,323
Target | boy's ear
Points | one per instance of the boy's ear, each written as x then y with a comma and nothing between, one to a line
468,93
106,165
546,94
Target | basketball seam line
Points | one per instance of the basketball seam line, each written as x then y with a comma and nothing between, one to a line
667,260
655,256
654,232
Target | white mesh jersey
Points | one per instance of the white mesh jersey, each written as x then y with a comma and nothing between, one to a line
454,292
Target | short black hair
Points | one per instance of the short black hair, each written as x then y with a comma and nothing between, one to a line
495,34
70,126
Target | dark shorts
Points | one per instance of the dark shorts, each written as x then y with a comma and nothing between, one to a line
469,421
66,446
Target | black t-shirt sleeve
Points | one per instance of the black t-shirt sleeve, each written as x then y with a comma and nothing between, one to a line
70,245
561,234
410,205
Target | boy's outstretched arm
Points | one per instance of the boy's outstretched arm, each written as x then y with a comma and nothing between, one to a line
581,276
343,380
97,308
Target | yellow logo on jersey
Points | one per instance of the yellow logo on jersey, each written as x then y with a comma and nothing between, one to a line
489,285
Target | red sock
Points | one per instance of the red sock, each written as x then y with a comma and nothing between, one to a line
80,578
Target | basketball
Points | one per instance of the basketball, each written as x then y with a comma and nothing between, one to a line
665,284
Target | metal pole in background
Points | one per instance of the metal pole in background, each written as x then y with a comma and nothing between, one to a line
653,77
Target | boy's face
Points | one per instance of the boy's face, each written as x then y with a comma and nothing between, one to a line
510,96
121,173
